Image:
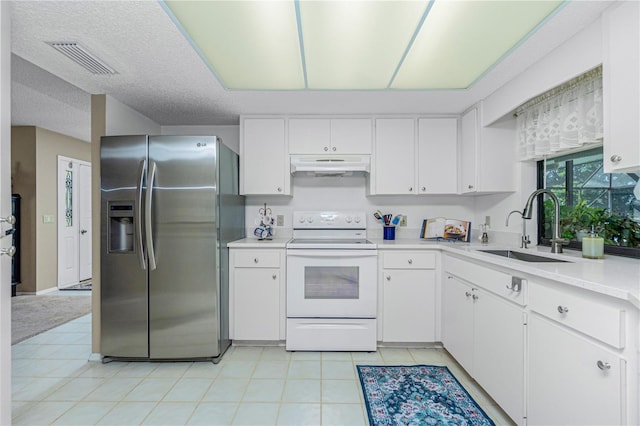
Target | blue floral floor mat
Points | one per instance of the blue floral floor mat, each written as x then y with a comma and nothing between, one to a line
417,395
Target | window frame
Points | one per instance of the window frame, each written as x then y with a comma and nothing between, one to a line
577,245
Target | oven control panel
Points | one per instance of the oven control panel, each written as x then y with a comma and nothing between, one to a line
329,220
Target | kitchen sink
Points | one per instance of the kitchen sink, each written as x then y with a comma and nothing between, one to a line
526,257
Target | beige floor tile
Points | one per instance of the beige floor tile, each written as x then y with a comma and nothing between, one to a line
114,389
341,391
226,390
170,414
151,389
203,370
127,413
271,370
338,370
295,414
264,390
245,353
396,356
275,353
75,389
85,413
188,389
256,413
343,415
237,369
42,413
170,369
213,413
304,370
304,390
336,356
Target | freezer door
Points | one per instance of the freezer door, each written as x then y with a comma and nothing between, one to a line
123,277
183,287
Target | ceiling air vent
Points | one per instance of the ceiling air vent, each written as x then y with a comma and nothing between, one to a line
83,57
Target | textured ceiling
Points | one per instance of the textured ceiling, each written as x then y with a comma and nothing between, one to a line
161,76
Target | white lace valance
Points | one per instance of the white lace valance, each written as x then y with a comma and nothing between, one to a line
564,118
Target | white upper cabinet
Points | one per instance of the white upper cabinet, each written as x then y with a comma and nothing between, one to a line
404,164
487,155
394,161
621,87
264,162
330,135
437,155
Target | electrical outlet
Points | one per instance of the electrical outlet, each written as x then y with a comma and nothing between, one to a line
487,220
280,220
403,221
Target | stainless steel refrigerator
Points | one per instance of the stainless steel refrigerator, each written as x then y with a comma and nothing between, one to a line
169,206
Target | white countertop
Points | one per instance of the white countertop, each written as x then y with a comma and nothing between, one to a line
615,276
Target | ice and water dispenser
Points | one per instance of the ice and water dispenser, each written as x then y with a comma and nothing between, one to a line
121,226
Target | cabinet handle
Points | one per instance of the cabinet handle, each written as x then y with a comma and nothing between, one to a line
423,189
333,149
8,251
466,293
602,365
411,189
279,189
274,276
410,261
562,309
475,297
616,158
470,186
255,260
449,277
388,277
326,148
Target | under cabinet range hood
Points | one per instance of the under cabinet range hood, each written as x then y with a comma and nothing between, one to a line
330,165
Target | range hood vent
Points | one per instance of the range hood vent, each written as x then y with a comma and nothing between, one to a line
82,57
330,165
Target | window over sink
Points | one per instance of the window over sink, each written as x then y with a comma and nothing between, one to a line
589,197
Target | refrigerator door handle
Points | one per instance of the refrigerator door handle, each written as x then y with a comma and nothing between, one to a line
147,213
138,219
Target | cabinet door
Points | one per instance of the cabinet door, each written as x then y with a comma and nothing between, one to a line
565,384
457,321
498,355
437,156
394,163
621,88
408,305
256,304
468,151
264,163
351,136
309,136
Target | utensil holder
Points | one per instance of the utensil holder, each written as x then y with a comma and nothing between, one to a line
389,233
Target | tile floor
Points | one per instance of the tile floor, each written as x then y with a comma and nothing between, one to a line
53,383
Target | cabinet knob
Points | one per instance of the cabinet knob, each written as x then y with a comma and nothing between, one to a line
423,189
449,277
274,276
255,260
470,186
333,149
615,158
562,309
602,365
468,294
11,219
8,251
279,189
475,297
411,189
410,261
326,148
388,277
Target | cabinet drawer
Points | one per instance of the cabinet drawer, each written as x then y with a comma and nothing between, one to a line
598,320
497,282
257,259
409,260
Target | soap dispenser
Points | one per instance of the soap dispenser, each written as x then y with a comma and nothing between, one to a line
484,239
593,245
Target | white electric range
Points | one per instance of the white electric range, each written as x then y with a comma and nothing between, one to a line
331,283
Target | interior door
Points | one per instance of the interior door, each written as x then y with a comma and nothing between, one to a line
84,215
68,223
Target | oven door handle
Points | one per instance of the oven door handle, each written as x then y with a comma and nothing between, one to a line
332,253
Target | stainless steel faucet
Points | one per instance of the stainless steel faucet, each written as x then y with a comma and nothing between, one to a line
524,238
556,241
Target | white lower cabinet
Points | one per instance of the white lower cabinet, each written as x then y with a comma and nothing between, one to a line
257,294
571,379
485,333
408,281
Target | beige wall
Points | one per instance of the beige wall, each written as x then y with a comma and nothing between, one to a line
23,180
34,172
98,129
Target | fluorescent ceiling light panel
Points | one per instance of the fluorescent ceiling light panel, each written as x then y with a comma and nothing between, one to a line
356,45
460,40
248,44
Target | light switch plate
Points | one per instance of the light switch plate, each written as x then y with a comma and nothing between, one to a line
47,218
403,221
280,220
487,221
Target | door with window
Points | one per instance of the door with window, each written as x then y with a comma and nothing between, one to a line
74,221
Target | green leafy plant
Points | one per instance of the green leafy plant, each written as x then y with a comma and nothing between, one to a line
616,229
